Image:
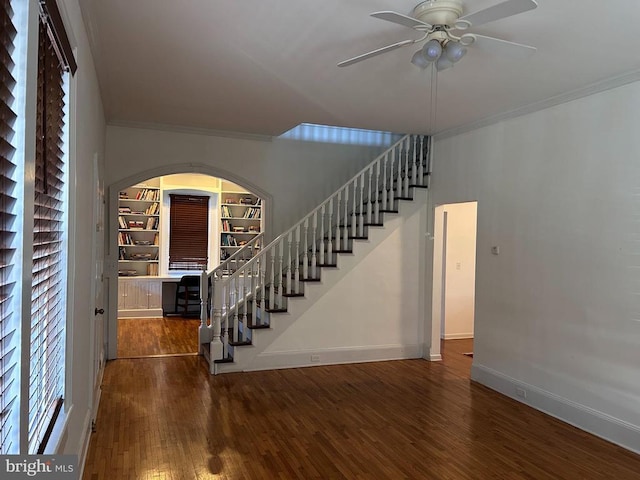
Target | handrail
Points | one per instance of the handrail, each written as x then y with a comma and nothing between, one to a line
319,207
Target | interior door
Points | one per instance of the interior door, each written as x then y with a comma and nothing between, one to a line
98,325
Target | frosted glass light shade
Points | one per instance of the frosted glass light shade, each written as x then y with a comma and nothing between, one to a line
419,60
432,50
443,63
454,51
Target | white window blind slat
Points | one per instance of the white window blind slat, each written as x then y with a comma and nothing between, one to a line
9,357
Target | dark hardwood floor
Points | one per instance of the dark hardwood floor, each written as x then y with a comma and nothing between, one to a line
167,418
143,337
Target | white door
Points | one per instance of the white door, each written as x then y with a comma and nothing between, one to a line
98,325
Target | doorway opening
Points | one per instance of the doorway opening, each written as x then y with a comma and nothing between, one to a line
160,223
454,273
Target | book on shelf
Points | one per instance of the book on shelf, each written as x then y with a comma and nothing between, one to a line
152,223
226,211
152,269
152,209
124,209
156,239
252,212
122,222
124,239
136,224
148,194
229,241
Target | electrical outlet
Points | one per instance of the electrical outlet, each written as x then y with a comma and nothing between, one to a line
521,392
315,358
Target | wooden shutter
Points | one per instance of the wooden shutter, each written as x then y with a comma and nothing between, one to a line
9,356
188,232
46,375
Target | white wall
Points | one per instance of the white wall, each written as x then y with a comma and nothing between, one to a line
297,175
460,274
370,308
558,310
87,139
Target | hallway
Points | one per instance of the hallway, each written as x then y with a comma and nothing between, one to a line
167,418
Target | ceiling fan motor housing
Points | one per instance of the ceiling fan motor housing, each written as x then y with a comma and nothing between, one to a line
438,12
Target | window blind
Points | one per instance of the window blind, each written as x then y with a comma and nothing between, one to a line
46,376
9,357
188,232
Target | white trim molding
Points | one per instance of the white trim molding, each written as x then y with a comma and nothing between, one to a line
457,336
334,356
585,418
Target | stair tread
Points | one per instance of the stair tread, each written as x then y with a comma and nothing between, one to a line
258,327
288,295
240,343
310,279
224,360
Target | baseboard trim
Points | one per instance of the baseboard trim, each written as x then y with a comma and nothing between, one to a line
83,447
457,336
140,313
333,356
624,434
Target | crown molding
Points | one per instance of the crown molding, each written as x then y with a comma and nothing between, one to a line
592,89
191,130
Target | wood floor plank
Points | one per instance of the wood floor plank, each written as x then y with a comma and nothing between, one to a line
409,419
141,337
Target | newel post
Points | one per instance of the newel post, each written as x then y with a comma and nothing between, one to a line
217,348
203,332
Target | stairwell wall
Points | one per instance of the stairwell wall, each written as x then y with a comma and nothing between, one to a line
297,174
558,310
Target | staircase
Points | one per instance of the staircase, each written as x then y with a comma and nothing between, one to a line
254,296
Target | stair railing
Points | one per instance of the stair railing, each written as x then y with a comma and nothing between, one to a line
278,270
209,331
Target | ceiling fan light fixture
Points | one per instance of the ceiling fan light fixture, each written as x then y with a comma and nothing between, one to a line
419,60
432,50
443,63
454,51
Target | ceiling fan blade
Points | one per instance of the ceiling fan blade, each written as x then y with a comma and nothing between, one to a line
496,12
373,53
400,19
500,47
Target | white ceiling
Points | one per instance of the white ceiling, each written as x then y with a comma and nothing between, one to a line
264,66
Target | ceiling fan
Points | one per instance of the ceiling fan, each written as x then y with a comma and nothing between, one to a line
443,29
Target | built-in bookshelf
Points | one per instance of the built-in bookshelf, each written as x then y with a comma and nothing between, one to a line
139,230
240,220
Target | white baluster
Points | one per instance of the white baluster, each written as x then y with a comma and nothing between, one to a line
305,251
345,240
376,205
354,220
369,196
330,230
280,273
314,246
254,309
421,161
296,265
361,216
399,173
322,218
272,288
406,168
289,273
385,169
339,222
